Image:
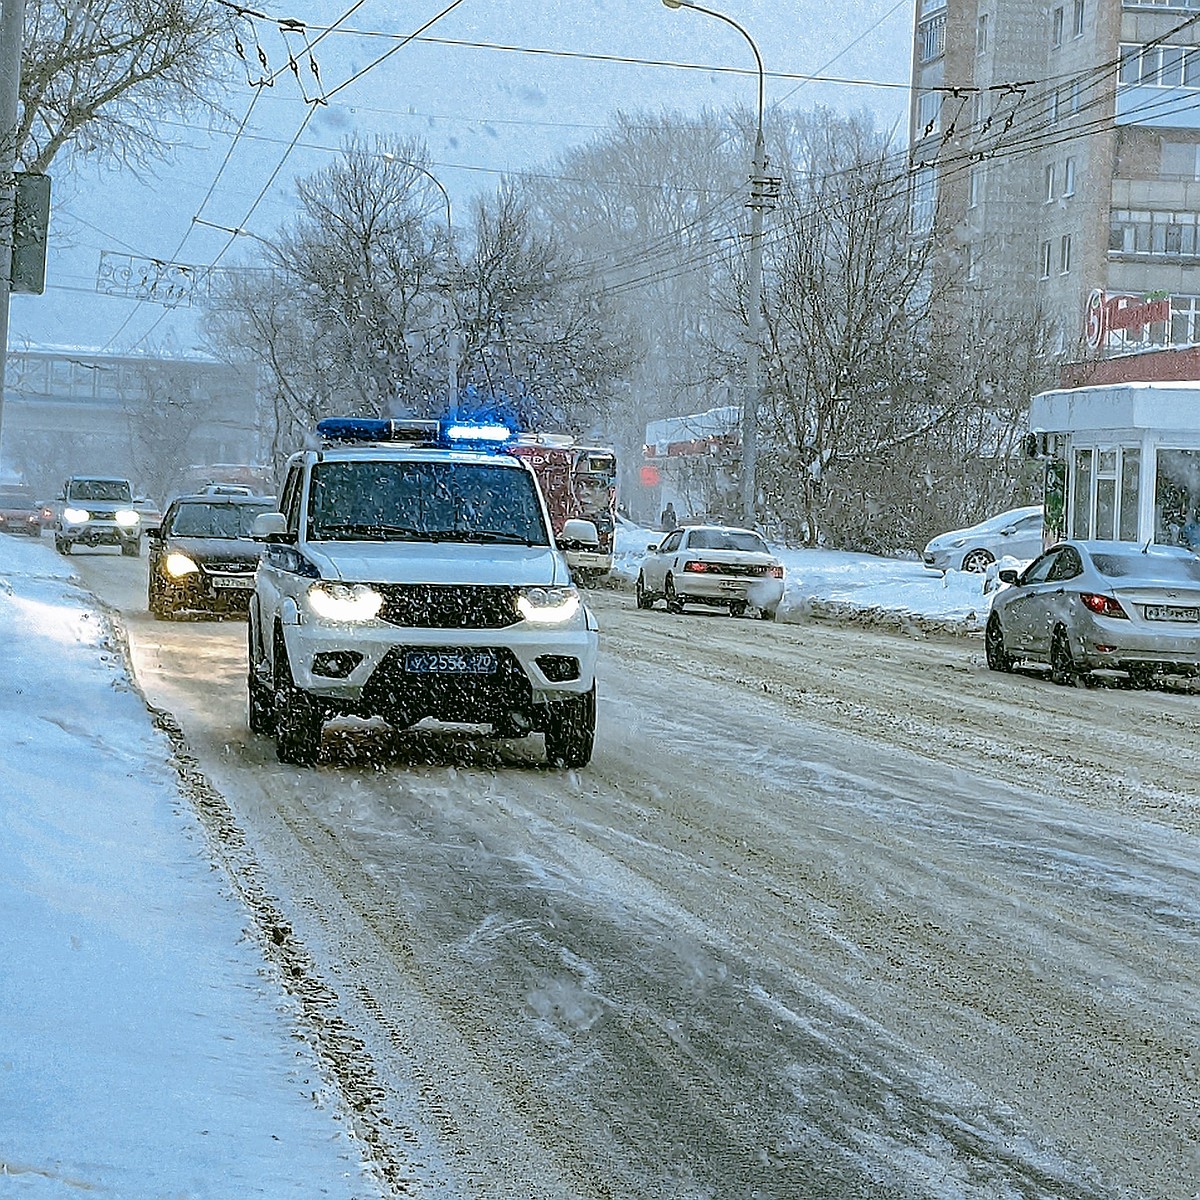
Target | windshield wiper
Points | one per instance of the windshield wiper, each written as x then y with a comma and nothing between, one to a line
500,536
368,533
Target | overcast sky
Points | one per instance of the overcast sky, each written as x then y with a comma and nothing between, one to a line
481,111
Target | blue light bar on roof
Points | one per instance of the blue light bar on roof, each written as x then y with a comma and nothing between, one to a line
460,433
371,429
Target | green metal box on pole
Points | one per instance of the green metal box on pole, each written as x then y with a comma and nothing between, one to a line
31,227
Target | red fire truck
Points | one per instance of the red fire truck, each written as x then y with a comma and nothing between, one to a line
578,482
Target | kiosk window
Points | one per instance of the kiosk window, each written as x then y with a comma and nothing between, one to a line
1081,495
1177,498
1131,467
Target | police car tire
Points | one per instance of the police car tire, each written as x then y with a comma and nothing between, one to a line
570,731
260,699
298,718
132,549
260,706
62,545
298,722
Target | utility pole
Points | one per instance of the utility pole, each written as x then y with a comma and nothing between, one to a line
764,190
755,334
12,31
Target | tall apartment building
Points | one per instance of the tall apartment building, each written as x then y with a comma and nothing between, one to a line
1055,153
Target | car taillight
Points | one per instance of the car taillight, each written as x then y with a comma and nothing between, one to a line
1103,606
696,565
775,571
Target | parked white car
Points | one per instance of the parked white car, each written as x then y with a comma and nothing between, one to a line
713,565
1016,533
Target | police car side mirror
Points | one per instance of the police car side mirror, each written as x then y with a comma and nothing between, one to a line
268,526
578,533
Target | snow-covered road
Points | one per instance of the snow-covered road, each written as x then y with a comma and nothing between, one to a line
832,913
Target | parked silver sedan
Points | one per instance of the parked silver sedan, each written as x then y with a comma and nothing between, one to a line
713,565
1016,533
1097,606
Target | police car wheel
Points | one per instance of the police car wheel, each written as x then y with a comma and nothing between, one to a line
298,722
570,730
298,718
62,545
132,549
260,698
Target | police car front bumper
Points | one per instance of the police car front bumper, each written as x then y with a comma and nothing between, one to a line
465,675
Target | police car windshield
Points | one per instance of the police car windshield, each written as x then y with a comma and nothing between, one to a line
424,502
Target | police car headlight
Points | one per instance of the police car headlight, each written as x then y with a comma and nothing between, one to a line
76,516
548,605
126,518
179,565
344,601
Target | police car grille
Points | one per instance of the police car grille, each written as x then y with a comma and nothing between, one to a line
434,606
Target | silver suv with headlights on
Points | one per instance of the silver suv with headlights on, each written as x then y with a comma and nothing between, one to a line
411,573
97,510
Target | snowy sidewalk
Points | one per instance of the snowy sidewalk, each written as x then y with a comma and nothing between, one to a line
146,1050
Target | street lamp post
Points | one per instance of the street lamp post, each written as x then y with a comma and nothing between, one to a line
452,346
763,190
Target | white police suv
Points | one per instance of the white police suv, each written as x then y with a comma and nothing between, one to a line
412,573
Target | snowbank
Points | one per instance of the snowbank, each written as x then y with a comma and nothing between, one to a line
148,1051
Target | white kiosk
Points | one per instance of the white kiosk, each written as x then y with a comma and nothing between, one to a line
1122,461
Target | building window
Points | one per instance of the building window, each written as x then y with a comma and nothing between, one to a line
929,106
1075,96
975,187
1161,3
1077,19
1185,320
1159,66
1069,176
1048,185
931,38
924,201
1064,254
1146,233
1045,260
1180,160
981,34
1056,27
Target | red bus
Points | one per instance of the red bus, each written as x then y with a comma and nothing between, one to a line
578,482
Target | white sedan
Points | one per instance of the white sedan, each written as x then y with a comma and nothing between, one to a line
713,565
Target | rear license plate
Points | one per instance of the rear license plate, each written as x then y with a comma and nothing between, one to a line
1171,612
730,585
450,662
233,581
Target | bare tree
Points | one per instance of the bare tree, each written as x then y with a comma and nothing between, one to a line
99,74
163,416
539,333
883,420
648,206
346,313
